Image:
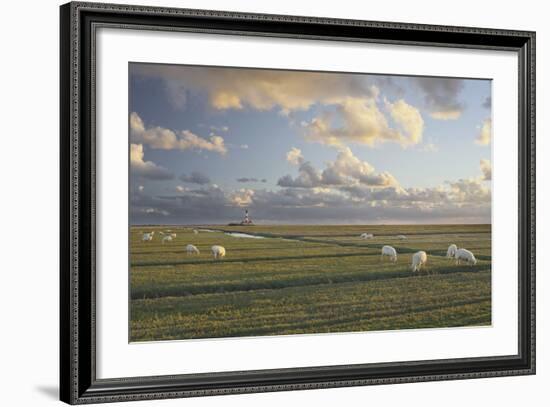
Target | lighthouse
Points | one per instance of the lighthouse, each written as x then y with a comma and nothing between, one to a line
246,220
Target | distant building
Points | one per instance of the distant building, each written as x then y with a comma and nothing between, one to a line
246,220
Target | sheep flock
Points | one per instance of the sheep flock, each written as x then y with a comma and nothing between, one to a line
218,252
420,258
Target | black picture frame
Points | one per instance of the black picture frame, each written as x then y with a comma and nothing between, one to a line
78,382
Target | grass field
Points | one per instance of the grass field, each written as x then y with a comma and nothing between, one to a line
305,279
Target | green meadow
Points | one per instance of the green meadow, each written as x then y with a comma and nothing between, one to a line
298,279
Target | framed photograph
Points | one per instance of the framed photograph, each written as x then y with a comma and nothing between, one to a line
254,203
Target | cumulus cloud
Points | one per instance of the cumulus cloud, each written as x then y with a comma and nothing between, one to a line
470,191
347,169
146,169
360,120
350,112
308,177
486,169
260,89
347,190
484,134
409,119
441,96
167,139
195,178
241,197
294,156
465,201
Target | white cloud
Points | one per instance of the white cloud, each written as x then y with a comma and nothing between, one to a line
146,169
360,120
360,196
260,89
451,114
462,201
470,191
166,139
349,102
244,146
484,135
486,169
294,156
308,177
347,169
409,119
242,197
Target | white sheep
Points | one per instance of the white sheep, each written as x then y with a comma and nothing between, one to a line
366,236
418,260
401,237
466,255
167,238
451,251
390,252
195,231
192,249
173,235
147,237
218,251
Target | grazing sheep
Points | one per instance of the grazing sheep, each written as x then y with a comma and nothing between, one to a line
195,231
466,255
366,236
390,252
173,235
451,251
401,237
218,251
418,260
147,237
167,238
191,249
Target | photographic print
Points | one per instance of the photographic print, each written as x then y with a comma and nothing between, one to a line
270,202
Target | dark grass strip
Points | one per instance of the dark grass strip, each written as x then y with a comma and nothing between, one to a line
181,290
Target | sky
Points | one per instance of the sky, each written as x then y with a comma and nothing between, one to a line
302,147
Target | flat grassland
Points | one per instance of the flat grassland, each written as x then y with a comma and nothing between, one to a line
298,279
